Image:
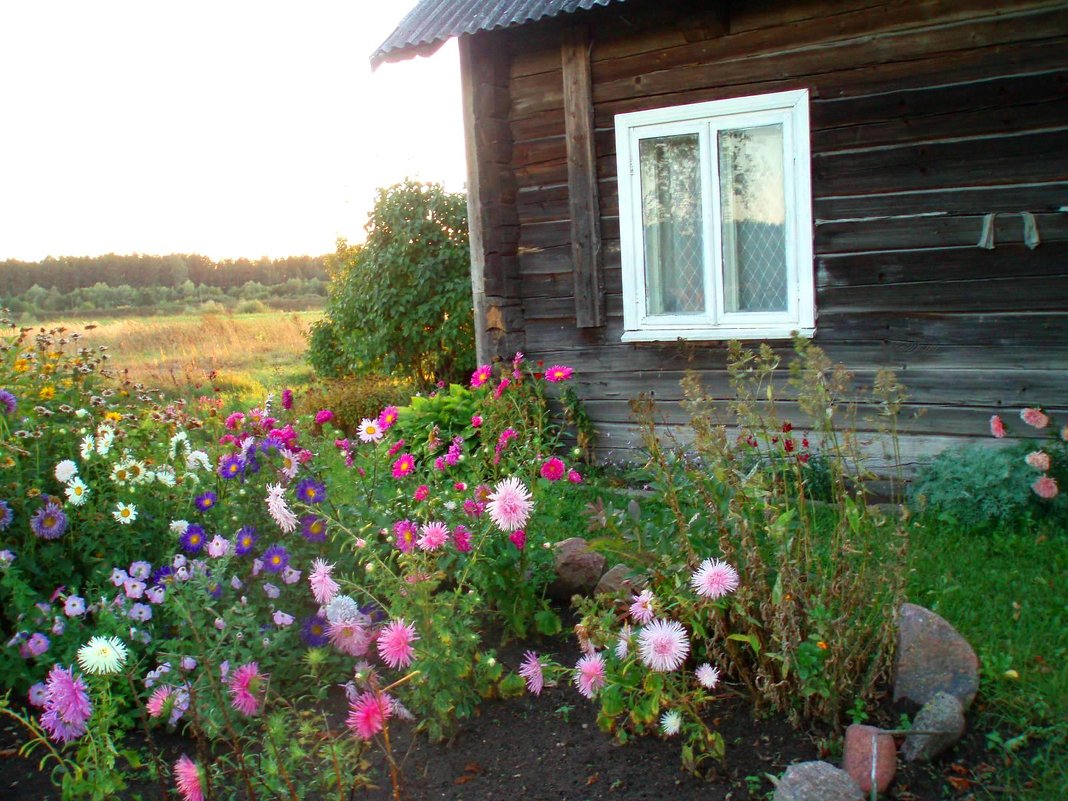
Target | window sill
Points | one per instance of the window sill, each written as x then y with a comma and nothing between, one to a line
715,334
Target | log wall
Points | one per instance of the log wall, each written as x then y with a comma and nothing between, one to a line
927,115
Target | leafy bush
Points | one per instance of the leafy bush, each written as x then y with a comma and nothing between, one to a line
353,399
401,302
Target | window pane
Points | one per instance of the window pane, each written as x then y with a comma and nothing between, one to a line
752,192
671,222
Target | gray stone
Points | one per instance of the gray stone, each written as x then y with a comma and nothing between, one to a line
932,657
618,578
578,569
817,781
858,753
943,714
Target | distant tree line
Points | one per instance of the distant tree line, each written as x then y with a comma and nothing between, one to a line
160,284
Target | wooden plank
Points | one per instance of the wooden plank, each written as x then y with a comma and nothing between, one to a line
583,203
1023,329
1010,293
939,231
1037,197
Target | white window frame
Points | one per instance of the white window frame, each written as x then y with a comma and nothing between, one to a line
790,109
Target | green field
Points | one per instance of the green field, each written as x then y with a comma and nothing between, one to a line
240,355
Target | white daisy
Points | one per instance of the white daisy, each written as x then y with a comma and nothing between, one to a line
77,492
125,513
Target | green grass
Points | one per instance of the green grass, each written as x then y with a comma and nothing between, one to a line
1007,595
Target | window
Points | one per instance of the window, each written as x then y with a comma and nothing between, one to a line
716,220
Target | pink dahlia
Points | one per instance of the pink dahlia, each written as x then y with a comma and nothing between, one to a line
714,579
481,376
368,713
1039,460
432,536
641,609
510,504
1046,487
707,676
395,643
323,586
552,469
187,778
531,671
558,373
663,645
404,465
997,426
589,674
246,684
1035,418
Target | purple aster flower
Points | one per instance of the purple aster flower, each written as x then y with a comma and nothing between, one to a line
8,401
252,465
276,558
244,540
6,515
192,540
206,501
230,466
313,528
313,631
160,575
49,522
311,491
215,590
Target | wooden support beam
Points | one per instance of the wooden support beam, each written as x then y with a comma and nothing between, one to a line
586,249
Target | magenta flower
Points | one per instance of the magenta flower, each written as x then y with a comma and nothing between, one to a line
476,420
323,416
641,608
323,586
1046,487
552,469
404,535
714,579
461,538
589,674
246,685
287,399
997,427
663,645
395,643
1035,418
404,465
530,670
433,536
574,476
187,779
501,387
481,376
422,492
518,538
387,417
368,713
558,373
510,504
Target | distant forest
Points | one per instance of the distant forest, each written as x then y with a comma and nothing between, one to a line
176,283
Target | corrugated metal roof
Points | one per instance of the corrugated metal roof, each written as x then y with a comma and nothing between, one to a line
433,21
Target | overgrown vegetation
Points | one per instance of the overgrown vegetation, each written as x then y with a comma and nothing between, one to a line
401,302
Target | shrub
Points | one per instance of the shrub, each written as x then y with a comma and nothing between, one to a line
401,302
353,399
250,307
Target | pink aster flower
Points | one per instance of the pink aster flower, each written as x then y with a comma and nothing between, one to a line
368,713
1046,487
510,504
558,373
481,376
395,643
187,779
552,469
623,642
370,430
1039,460
404,465
433,536
518,538
67,705
323,586
641,609
714,579
404,535
422,492
530,670
574,476
476,420
663,645
589,674
1035,418
997,426
707,676
246,684
349,636
501,387
159,701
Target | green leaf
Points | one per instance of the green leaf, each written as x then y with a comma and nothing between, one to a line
754,643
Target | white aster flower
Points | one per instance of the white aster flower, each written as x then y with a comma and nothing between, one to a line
65,471
198,460
290,463
670,722
707,676
369,430
179,527
279,510
102,655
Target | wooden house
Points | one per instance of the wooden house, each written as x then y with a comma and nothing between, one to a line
650,178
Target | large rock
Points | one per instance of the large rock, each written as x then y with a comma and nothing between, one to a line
817,781
932,658
578,569
618,578
859,752
944,715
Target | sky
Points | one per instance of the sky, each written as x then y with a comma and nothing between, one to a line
230,128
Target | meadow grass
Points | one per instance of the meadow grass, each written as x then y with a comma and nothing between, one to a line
238,356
